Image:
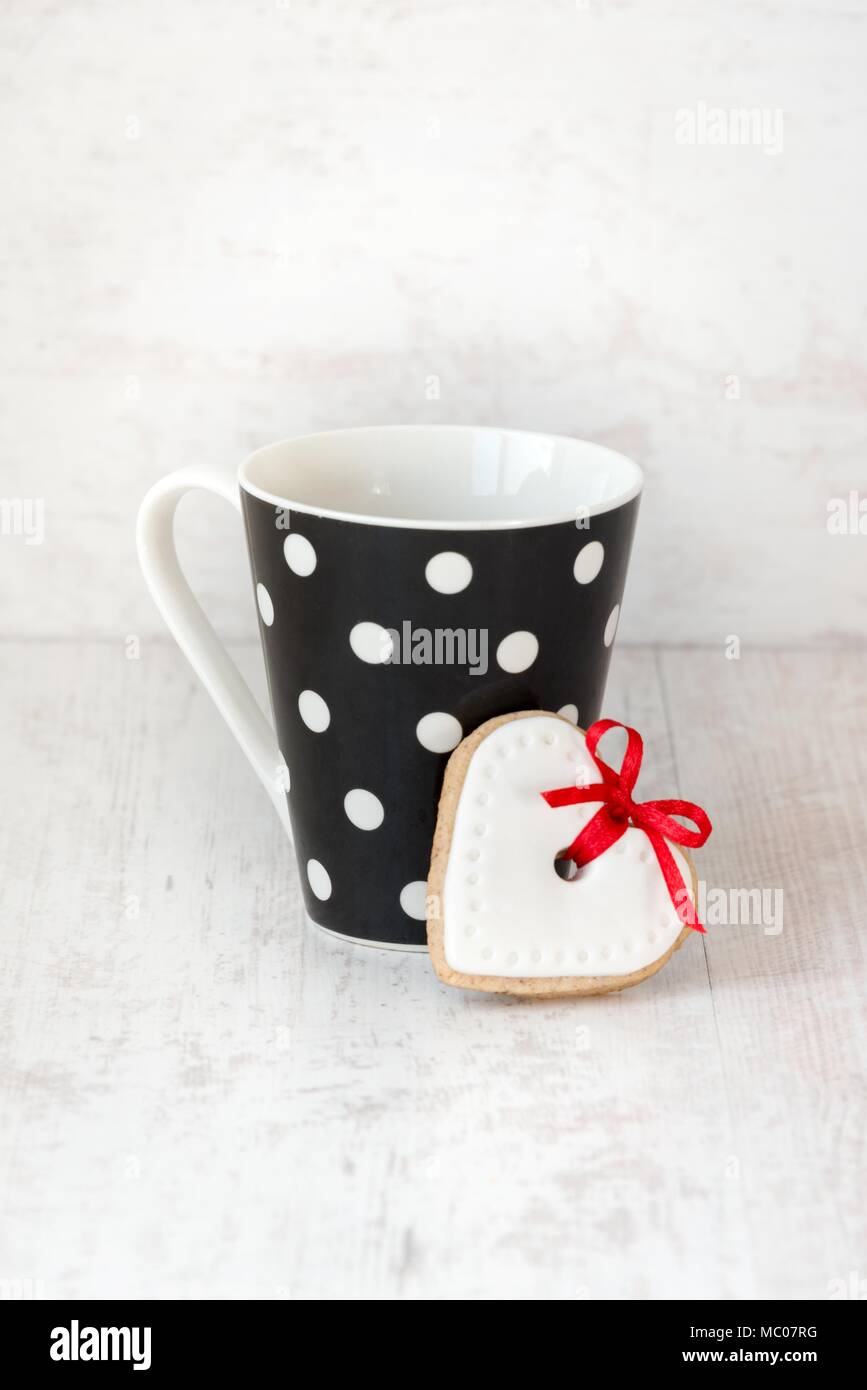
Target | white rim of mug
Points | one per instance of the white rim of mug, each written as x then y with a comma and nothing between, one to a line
417,524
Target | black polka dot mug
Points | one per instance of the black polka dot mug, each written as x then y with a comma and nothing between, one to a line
411,583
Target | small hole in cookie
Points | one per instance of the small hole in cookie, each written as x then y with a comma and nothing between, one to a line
483,798
472,878
474,854
566,868
512,958
549,739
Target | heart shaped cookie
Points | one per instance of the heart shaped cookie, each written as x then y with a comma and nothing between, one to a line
502,917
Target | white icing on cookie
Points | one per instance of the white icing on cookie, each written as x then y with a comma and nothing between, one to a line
506,910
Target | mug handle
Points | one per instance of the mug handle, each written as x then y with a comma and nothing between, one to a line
191,628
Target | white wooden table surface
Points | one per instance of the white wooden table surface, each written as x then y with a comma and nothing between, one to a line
203,1097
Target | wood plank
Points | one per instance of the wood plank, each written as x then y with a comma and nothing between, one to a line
211,1099
775,746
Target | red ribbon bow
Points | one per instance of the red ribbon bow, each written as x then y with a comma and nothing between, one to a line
619,811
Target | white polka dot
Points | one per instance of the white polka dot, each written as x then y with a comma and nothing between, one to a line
588,561
300,555
371,643
413,899
448,572
317,877
569,712
611,625
439,732
266,607
517,651
314,711
365,810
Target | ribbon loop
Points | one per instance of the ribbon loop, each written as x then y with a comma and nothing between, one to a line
618,811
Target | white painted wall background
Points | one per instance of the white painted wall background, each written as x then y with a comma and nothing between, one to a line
229,222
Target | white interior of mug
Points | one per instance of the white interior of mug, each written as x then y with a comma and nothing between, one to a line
442,476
